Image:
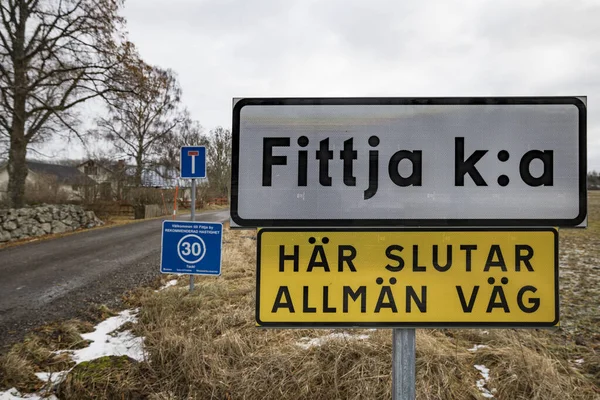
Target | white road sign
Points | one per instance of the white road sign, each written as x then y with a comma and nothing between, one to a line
409,162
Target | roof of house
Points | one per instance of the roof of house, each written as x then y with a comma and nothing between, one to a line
108,166
158,176
64,174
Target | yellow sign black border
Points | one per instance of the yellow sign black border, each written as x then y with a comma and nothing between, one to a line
447,324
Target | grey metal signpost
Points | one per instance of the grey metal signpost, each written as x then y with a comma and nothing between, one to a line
193,218
192,165
403,364
466,182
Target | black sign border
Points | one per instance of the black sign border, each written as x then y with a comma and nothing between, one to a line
255,223
552,324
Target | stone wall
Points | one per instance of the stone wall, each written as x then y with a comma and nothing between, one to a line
24,223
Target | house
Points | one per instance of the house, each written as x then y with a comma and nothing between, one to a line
51,180
91,180
96,171
158,177
107,177
117,178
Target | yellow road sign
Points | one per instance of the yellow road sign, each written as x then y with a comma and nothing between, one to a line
407,277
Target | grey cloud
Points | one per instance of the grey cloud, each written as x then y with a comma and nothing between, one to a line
223,49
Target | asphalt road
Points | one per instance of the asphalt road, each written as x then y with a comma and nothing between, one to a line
62,278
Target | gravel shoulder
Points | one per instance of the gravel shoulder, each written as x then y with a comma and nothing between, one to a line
63,278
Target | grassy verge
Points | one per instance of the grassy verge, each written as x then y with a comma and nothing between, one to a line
37,353
210,340
209,207
205,345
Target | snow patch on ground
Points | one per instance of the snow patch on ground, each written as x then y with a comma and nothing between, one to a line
172,282
481,383
477,347
104,342
307,343
578,363
14,394
51,377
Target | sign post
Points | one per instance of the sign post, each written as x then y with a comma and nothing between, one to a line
192,166
403,364
403,278
483,181
192,218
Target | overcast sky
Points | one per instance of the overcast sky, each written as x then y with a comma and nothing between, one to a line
222,49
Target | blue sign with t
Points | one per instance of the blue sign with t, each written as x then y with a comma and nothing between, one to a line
191,247
193,162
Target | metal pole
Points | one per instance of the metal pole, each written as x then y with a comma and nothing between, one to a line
403,365
193,218
175,203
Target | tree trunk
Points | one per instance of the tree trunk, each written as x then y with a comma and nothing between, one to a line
17,171
139,164
17,168
138,171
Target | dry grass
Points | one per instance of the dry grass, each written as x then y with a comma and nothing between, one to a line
580,291
204,345
17,371
207,207
37,353
64,335
524,364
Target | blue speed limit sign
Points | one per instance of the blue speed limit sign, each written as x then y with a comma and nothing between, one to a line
191,247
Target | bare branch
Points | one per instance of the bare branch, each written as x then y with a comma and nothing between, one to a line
143,114
54,55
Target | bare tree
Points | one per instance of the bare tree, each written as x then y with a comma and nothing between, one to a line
143,114
188,133
54,54
219,161
218,156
